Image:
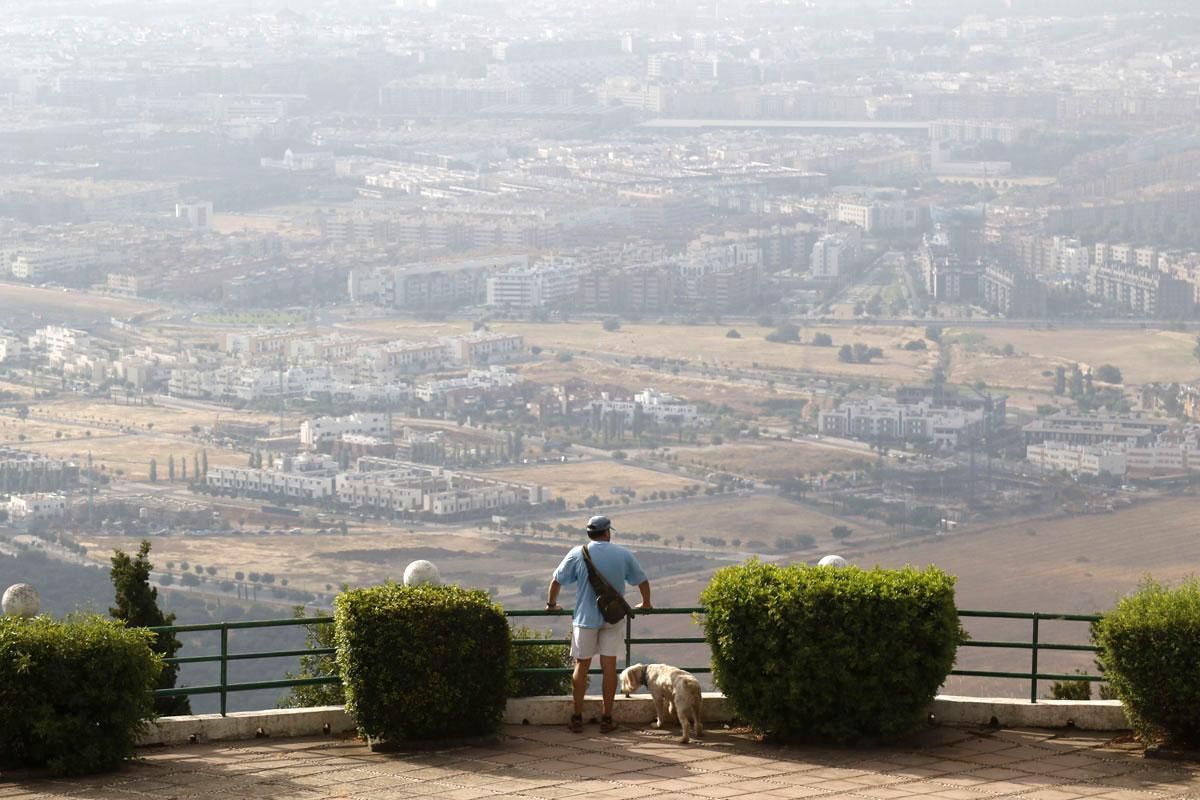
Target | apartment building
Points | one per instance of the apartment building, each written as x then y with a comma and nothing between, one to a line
1012,292
37,506
431,285
534,287
1144,290
21,470
1127,430
649,404
881,419
133,285
260,342
832,254
52,264
402,357
301,478
402,486
1092,460
485,347
878,216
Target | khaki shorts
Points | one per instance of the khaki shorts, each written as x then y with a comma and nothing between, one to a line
603,641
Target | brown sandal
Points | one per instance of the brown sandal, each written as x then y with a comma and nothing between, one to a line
576,723
607,725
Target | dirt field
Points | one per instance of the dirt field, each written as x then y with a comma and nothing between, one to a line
703,344
158,419
575,481
1070,564
119,437
517,570
57,305
739,396
771,460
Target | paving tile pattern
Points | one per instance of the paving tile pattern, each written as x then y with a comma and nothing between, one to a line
541,763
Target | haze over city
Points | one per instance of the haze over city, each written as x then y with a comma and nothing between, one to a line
303,292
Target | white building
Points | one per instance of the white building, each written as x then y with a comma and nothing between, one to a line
1161,457
327,429
881,419
654,405
197,215
403,486
305,477
1071,257
41,265
878,215
403,358
57,340
11,348
485,347
490,378
832,254
534,287
1079,459
36,506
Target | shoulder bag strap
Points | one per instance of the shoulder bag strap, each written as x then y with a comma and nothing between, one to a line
600,584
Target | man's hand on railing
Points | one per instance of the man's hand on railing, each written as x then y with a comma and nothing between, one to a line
553,607
642,607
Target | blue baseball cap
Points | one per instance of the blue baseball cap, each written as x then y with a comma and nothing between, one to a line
599,524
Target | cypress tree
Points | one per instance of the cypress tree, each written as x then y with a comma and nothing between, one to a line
137,605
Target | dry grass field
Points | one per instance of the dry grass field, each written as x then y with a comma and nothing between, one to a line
131,453
750,519
1143,356
771,460
574,481
1070,564
310,561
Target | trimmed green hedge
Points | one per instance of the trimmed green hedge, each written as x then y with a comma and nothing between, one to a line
538,655
422,662
1150,654
75,694
835,655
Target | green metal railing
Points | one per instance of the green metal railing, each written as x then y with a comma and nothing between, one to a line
224,688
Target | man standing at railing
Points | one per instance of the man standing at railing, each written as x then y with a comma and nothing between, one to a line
590,634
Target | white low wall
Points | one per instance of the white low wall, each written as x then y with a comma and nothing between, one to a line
1098,715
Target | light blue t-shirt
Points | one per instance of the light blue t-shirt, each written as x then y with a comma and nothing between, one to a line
615,563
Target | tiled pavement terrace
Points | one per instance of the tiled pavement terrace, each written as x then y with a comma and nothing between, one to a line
544,762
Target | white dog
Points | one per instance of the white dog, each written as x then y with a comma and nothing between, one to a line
673,691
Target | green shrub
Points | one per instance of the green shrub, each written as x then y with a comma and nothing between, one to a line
422,662
1150,654
75,694
317,636
1071,690
838,655
538,655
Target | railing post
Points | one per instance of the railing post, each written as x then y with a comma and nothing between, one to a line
1033,666
224,664
628,636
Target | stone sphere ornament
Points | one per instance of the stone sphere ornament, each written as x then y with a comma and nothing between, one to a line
833,561
20,600
422,573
